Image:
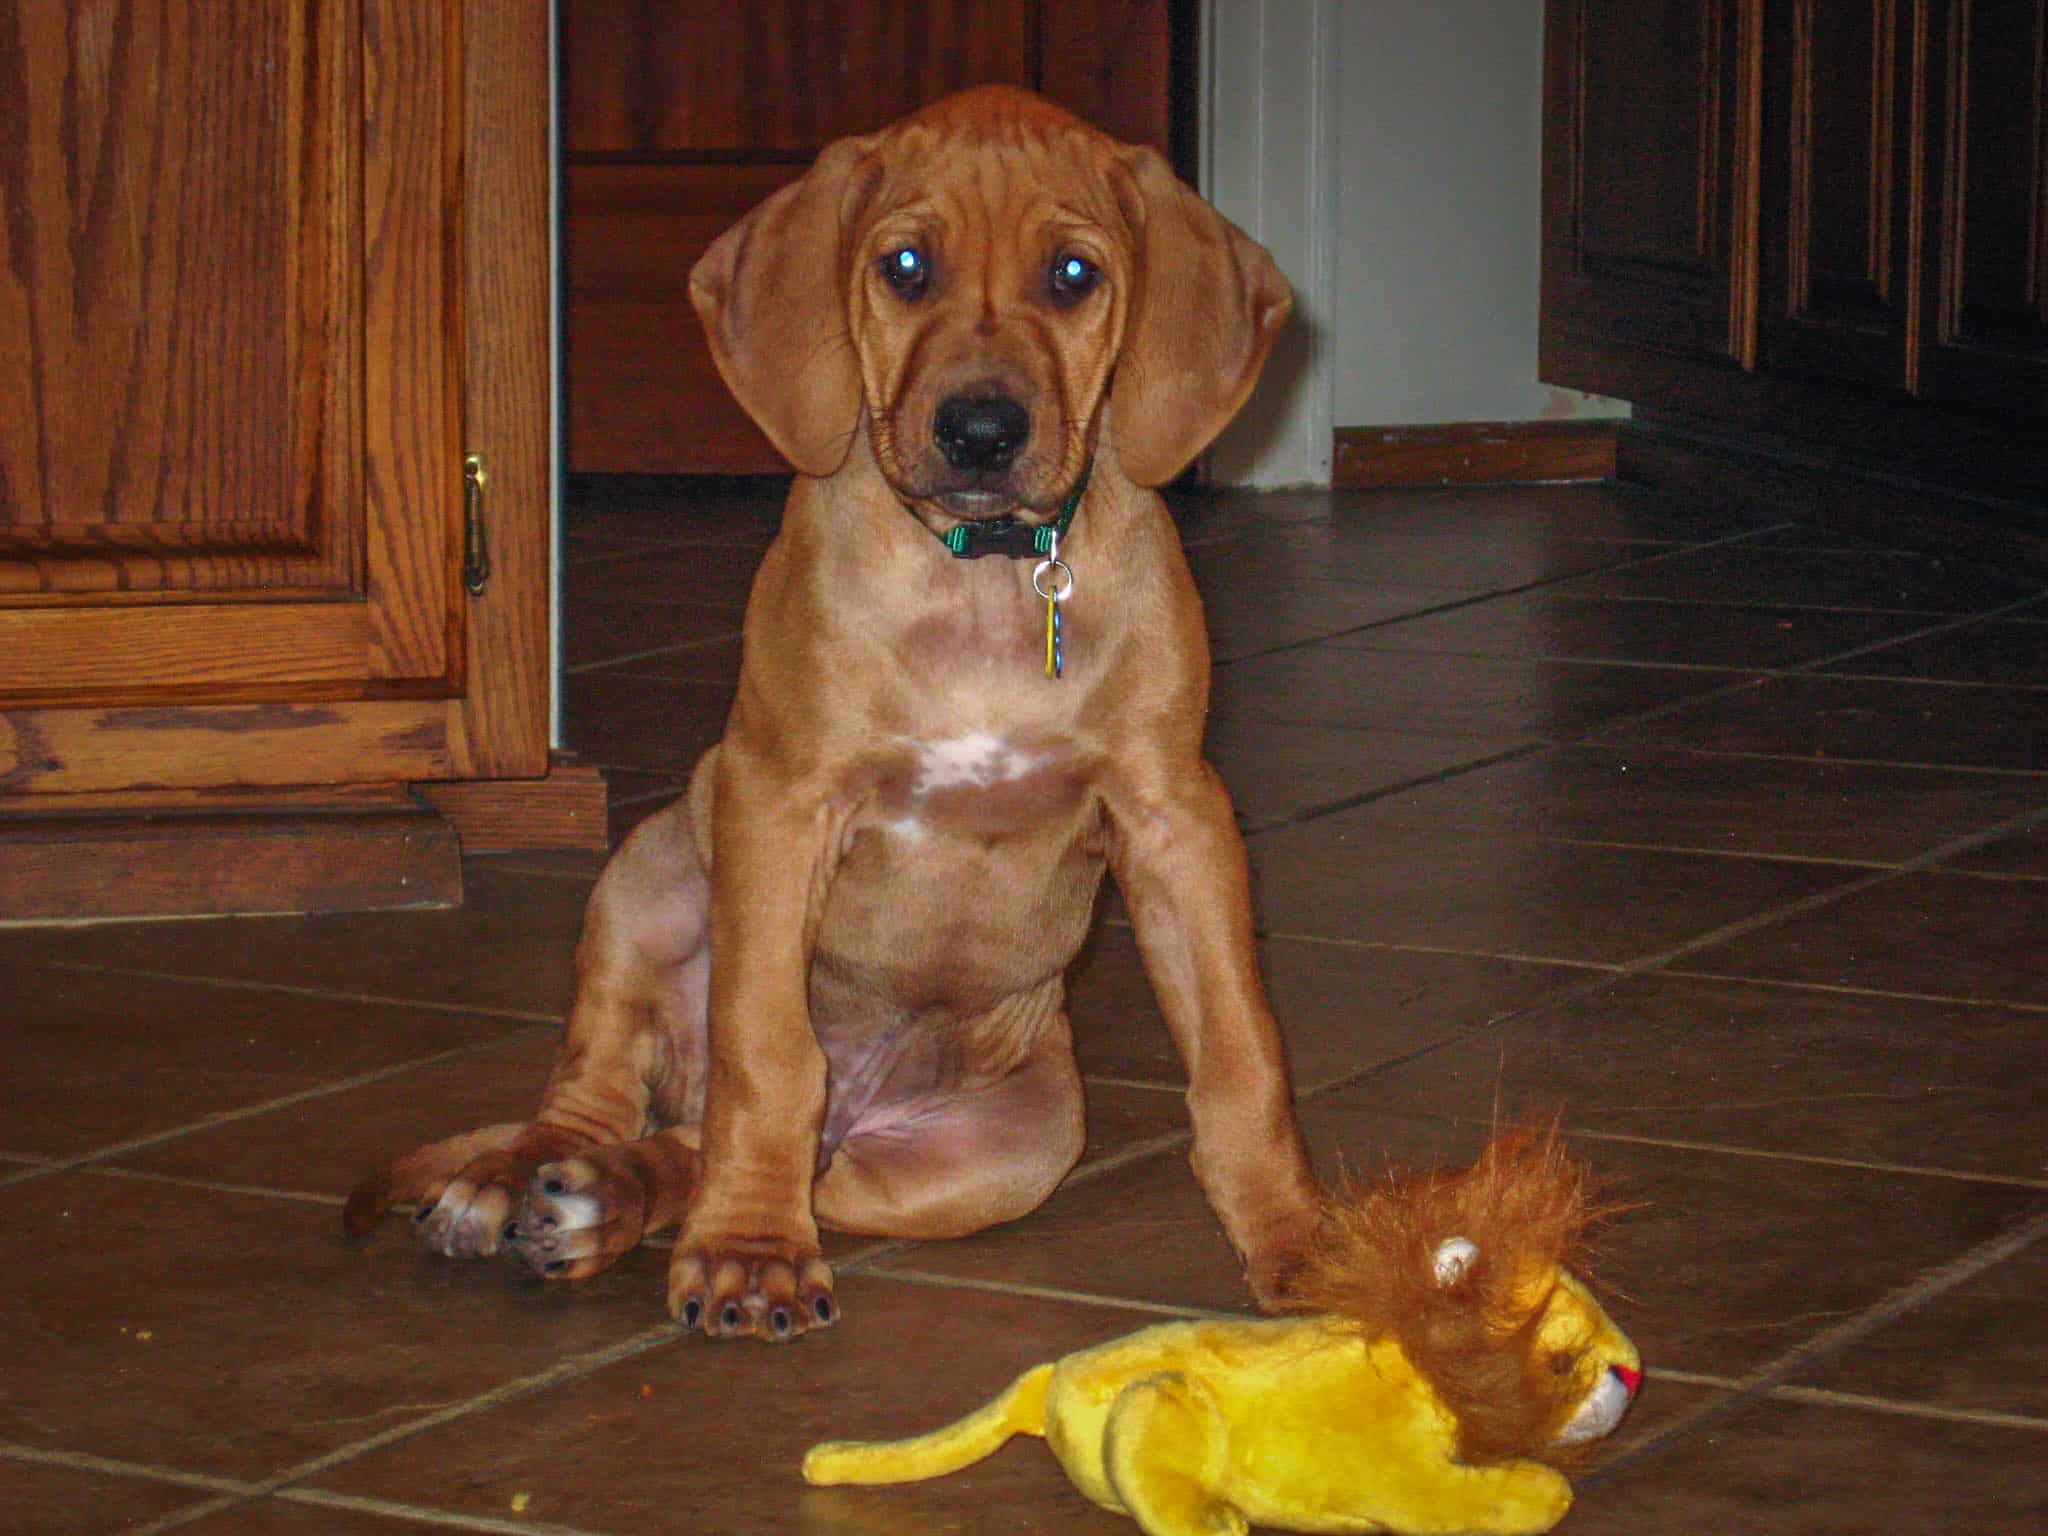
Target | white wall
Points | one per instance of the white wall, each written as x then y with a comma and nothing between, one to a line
1404,135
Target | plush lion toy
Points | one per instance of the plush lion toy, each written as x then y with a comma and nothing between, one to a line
1444,1356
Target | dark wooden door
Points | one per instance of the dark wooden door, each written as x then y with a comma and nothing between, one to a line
269,271
1985,343
1647,234
678,118
1843,125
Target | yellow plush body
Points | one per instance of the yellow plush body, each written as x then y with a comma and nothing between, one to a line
1315,1423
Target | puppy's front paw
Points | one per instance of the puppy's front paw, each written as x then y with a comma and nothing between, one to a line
748,1287
579,1216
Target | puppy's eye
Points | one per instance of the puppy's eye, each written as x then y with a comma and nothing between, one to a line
1072,278
906,271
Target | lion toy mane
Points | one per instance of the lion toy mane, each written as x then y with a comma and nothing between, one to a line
1442,1363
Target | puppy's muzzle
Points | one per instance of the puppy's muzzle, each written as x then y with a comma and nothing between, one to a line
980,434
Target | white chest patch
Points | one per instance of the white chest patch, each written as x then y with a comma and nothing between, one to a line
973,761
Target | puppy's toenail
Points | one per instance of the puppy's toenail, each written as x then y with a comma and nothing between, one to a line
692,1310
511,1232
730,1317
556,1267
823,1307
423,1212
779,1320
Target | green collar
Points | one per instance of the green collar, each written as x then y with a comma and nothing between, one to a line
1008,536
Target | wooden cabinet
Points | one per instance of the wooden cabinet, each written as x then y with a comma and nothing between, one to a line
1802,233
274,272
680,115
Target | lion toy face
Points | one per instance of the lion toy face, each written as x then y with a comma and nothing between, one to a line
1445,1356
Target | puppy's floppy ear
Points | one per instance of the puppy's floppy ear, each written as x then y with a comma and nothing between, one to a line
1208,303
771,293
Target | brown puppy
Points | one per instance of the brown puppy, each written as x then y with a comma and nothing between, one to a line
827,986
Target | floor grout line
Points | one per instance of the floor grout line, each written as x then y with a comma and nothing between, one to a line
575,1368
1829,1341
100,1155
1952,999
86,1461
1517,590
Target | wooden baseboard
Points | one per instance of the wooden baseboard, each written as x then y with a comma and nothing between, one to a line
1473,453
567,809
66,867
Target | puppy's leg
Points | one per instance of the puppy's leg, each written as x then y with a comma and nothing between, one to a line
633,1051
957,1165
1181,866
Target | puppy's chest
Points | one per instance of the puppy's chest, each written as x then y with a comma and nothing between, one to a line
978,783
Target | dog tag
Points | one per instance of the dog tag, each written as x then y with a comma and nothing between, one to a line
1053,580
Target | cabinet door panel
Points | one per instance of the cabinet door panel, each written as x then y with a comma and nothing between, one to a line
1988,222
1644,241
1842,123
227,323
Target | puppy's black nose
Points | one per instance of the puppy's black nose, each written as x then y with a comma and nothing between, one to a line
981,432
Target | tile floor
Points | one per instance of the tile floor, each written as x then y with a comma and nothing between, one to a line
1726,838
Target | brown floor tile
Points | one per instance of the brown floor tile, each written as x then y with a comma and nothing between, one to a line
1728,1262
1702,800
1753,573
716,661
711,575
1275,772
270,1340
1976,1348
327,1146
1252,613
642,722
2021,856
1818,1074
685,1432
1935,935
286,1517
597,632
1342,1009
38,1500
1351,547
2009,652
1556,626
507,948
1864,719
100,1059
1344,877
1784,1469
1450,695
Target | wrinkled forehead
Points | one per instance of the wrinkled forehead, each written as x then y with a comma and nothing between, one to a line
1010,178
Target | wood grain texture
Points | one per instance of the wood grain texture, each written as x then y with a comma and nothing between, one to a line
498,723
567,809
412,456
169,333
1473,453
644,396
775,77
239,385
117,867
679,117
188,743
